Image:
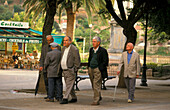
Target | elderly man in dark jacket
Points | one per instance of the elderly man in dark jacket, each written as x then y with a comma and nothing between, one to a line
52,66
97,63
45,49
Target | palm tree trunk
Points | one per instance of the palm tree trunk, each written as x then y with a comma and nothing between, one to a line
70,22
49,19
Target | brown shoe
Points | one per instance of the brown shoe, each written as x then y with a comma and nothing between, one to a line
49,100
95,103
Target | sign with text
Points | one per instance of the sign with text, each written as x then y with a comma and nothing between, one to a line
20,40
14,47
14,24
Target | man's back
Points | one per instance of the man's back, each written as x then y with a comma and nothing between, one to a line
52,62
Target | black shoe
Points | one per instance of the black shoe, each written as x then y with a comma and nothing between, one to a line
100,98
72,101
46,97
58,99
64,101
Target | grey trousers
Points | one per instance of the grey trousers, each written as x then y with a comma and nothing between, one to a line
130,85
69,77
96,81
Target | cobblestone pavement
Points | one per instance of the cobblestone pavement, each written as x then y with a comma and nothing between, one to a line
154,97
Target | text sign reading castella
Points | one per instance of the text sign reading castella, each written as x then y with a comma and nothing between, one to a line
14,24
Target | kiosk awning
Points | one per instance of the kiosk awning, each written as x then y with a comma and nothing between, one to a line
11,31
20,39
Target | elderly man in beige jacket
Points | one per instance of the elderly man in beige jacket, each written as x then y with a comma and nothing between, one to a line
130,60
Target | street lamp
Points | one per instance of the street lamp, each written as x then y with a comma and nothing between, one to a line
143,80
90,25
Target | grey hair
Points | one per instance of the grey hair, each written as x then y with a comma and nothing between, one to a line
97,38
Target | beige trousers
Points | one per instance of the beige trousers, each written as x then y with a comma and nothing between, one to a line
96,81
69,77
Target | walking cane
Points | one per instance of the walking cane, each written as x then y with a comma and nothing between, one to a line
117,80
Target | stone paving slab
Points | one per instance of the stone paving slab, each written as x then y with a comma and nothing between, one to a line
154,97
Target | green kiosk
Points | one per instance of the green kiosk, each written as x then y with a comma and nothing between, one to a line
14,36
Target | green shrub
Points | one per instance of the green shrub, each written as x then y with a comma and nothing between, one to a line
165,64
155,68
141,52
152,66
18,8
161,51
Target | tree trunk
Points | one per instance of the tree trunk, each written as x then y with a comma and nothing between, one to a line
70,22
47,28
131,36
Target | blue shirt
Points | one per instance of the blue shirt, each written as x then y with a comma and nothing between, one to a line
129,56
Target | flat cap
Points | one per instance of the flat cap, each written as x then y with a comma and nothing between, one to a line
53,44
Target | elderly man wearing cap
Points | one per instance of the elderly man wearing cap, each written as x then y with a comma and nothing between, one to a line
52,66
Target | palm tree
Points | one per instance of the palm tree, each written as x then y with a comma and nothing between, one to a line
47,7
71,7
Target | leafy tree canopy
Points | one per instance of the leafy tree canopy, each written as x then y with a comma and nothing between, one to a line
6,14
127,20
159,18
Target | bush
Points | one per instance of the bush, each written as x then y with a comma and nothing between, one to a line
10,1
161,51
17,8
155,68
152,66
165,64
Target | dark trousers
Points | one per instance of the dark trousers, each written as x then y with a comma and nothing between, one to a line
46,82
130,84
55,87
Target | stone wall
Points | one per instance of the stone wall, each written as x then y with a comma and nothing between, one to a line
156,59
